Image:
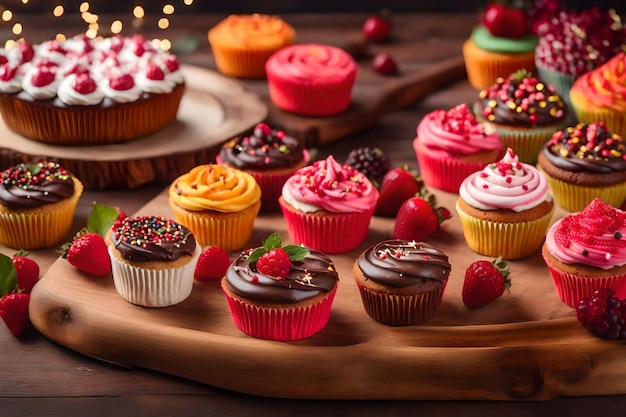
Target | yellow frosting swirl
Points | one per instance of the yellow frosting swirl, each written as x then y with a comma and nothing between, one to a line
215,187
255,30
606,85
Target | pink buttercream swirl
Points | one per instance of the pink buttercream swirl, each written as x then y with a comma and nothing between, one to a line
312,62
596,236
506,184
331,186
456,131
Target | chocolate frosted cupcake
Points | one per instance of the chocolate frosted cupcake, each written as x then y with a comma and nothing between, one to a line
37,205
401,282
153,260
270,156
584,162
524,111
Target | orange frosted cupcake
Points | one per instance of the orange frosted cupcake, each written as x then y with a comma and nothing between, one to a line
585,162
242,44
401,282
505,209
586,250
37,205
311,79
217,203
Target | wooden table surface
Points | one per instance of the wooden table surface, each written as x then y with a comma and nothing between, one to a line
41,378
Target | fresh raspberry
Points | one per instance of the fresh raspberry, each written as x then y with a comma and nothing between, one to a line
275,263
27,50
122,82
7,72
154,72
84,84
3,59
44,76
212,264
603,314
55,46
171,62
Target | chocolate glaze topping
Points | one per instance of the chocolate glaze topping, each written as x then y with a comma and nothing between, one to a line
153,238
27,186
309,277
401,263
587,148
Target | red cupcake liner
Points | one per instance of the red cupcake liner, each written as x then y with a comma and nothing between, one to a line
281,324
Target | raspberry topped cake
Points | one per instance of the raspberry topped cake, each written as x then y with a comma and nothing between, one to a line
584,162
103,84
524,111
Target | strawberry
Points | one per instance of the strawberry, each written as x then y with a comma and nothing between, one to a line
419,217
13,302
212,263
27,271
397,186
484,282
275,260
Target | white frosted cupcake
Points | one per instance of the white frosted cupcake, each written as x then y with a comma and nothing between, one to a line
153,261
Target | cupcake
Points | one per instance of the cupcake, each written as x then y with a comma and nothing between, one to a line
328,206
217,203
153,259
600,95
585,162
270,156
524,111
401,282
452,144
288,303
311,79
505,209
241,44
499,45
573,42
37,205
586,250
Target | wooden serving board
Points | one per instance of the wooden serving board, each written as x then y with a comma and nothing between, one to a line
527,345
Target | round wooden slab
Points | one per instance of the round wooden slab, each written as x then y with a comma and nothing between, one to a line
214,109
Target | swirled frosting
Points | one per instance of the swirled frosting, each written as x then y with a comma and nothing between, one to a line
254,30
215,187
605,86
595,236
313,63
521,100
69,91
456,131
506,184
264,149
27,186
153,238
331,186
120,87
10,79
586,148
41,82
403,263
485,40
309,277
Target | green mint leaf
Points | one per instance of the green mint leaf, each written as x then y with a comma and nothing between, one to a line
296,252
34,169
272,242
8,275
101,218
254,256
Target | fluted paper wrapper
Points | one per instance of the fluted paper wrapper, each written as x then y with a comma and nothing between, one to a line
330,233
527,143
242,63
572,288
282,324
614,120
153,287
401,310
574,197
509,240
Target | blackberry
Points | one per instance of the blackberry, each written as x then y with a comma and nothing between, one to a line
603,314
372,162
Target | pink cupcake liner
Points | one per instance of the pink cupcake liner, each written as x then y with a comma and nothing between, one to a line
329,233
572,288
281,324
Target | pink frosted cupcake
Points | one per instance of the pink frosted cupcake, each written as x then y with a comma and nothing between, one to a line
452,144
311,79
586,250
328,206
287,304
505,209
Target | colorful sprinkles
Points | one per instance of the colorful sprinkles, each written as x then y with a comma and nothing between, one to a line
588,141
28,175
144,230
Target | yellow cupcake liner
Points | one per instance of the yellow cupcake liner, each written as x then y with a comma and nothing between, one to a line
509,240
614,120
527,143
41,227
574,197
231,231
